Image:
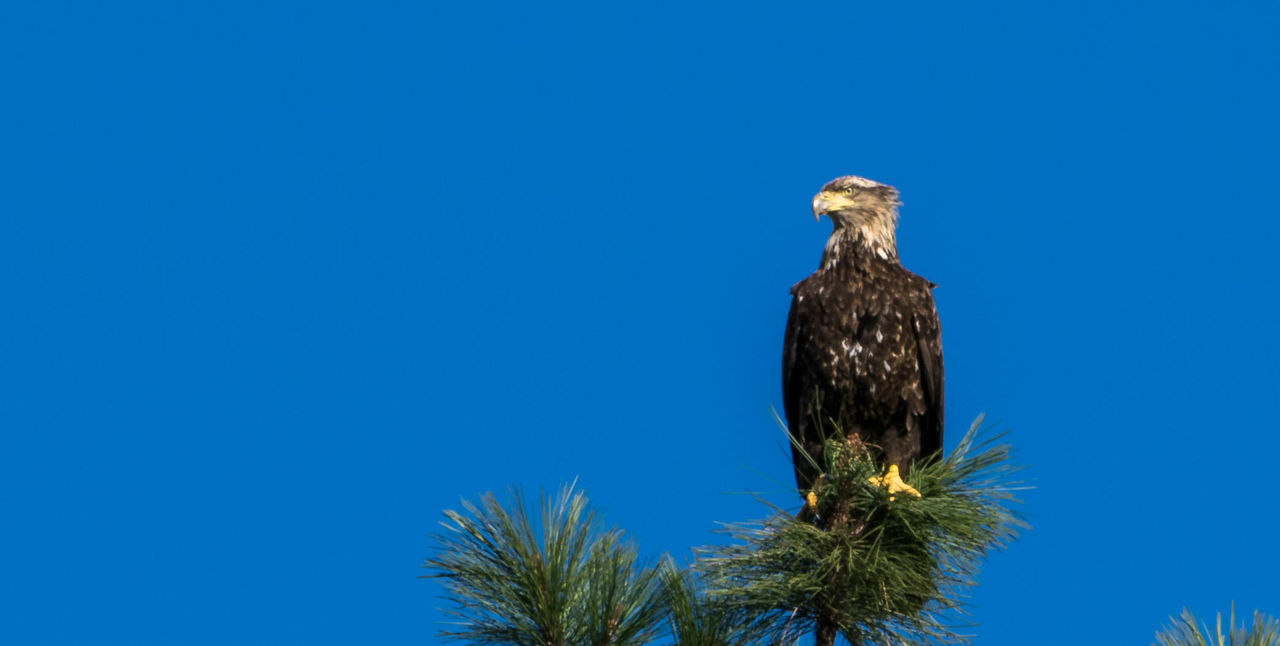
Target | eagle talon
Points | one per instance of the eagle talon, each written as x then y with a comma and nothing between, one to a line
811,496
892,481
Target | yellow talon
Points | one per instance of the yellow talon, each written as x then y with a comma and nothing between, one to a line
811,497
893,482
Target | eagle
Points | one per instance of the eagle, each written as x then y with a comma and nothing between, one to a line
863,348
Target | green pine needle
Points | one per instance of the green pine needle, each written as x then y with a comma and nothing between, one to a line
562,581
695,618
1186,630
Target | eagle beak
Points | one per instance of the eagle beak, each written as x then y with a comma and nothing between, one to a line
820,206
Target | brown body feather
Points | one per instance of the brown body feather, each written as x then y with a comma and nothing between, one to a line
862,353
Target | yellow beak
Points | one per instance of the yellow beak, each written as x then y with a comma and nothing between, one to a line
821,206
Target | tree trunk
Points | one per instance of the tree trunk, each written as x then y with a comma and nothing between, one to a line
839,517
825,633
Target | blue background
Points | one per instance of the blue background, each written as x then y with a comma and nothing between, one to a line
282,282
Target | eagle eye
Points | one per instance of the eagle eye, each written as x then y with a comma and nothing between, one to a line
848,190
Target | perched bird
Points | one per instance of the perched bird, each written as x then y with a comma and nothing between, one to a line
863,349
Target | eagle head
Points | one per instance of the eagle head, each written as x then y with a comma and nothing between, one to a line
860,208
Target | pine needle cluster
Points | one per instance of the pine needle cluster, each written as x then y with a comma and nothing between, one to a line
1186,630
564,580
696,619
874,569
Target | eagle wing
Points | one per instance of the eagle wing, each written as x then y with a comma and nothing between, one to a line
929,356
799,385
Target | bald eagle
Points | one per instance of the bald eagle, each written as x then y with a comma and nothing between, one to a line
863,349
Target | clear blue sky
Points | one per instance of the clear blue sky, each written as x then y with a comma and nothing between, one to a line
282,282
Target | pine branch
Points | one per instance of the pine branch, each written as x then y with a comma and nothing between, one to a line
695,618
562,581
1186,630
876,571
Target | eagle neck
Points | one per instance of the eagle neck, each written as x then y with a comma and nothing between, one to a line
856,245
